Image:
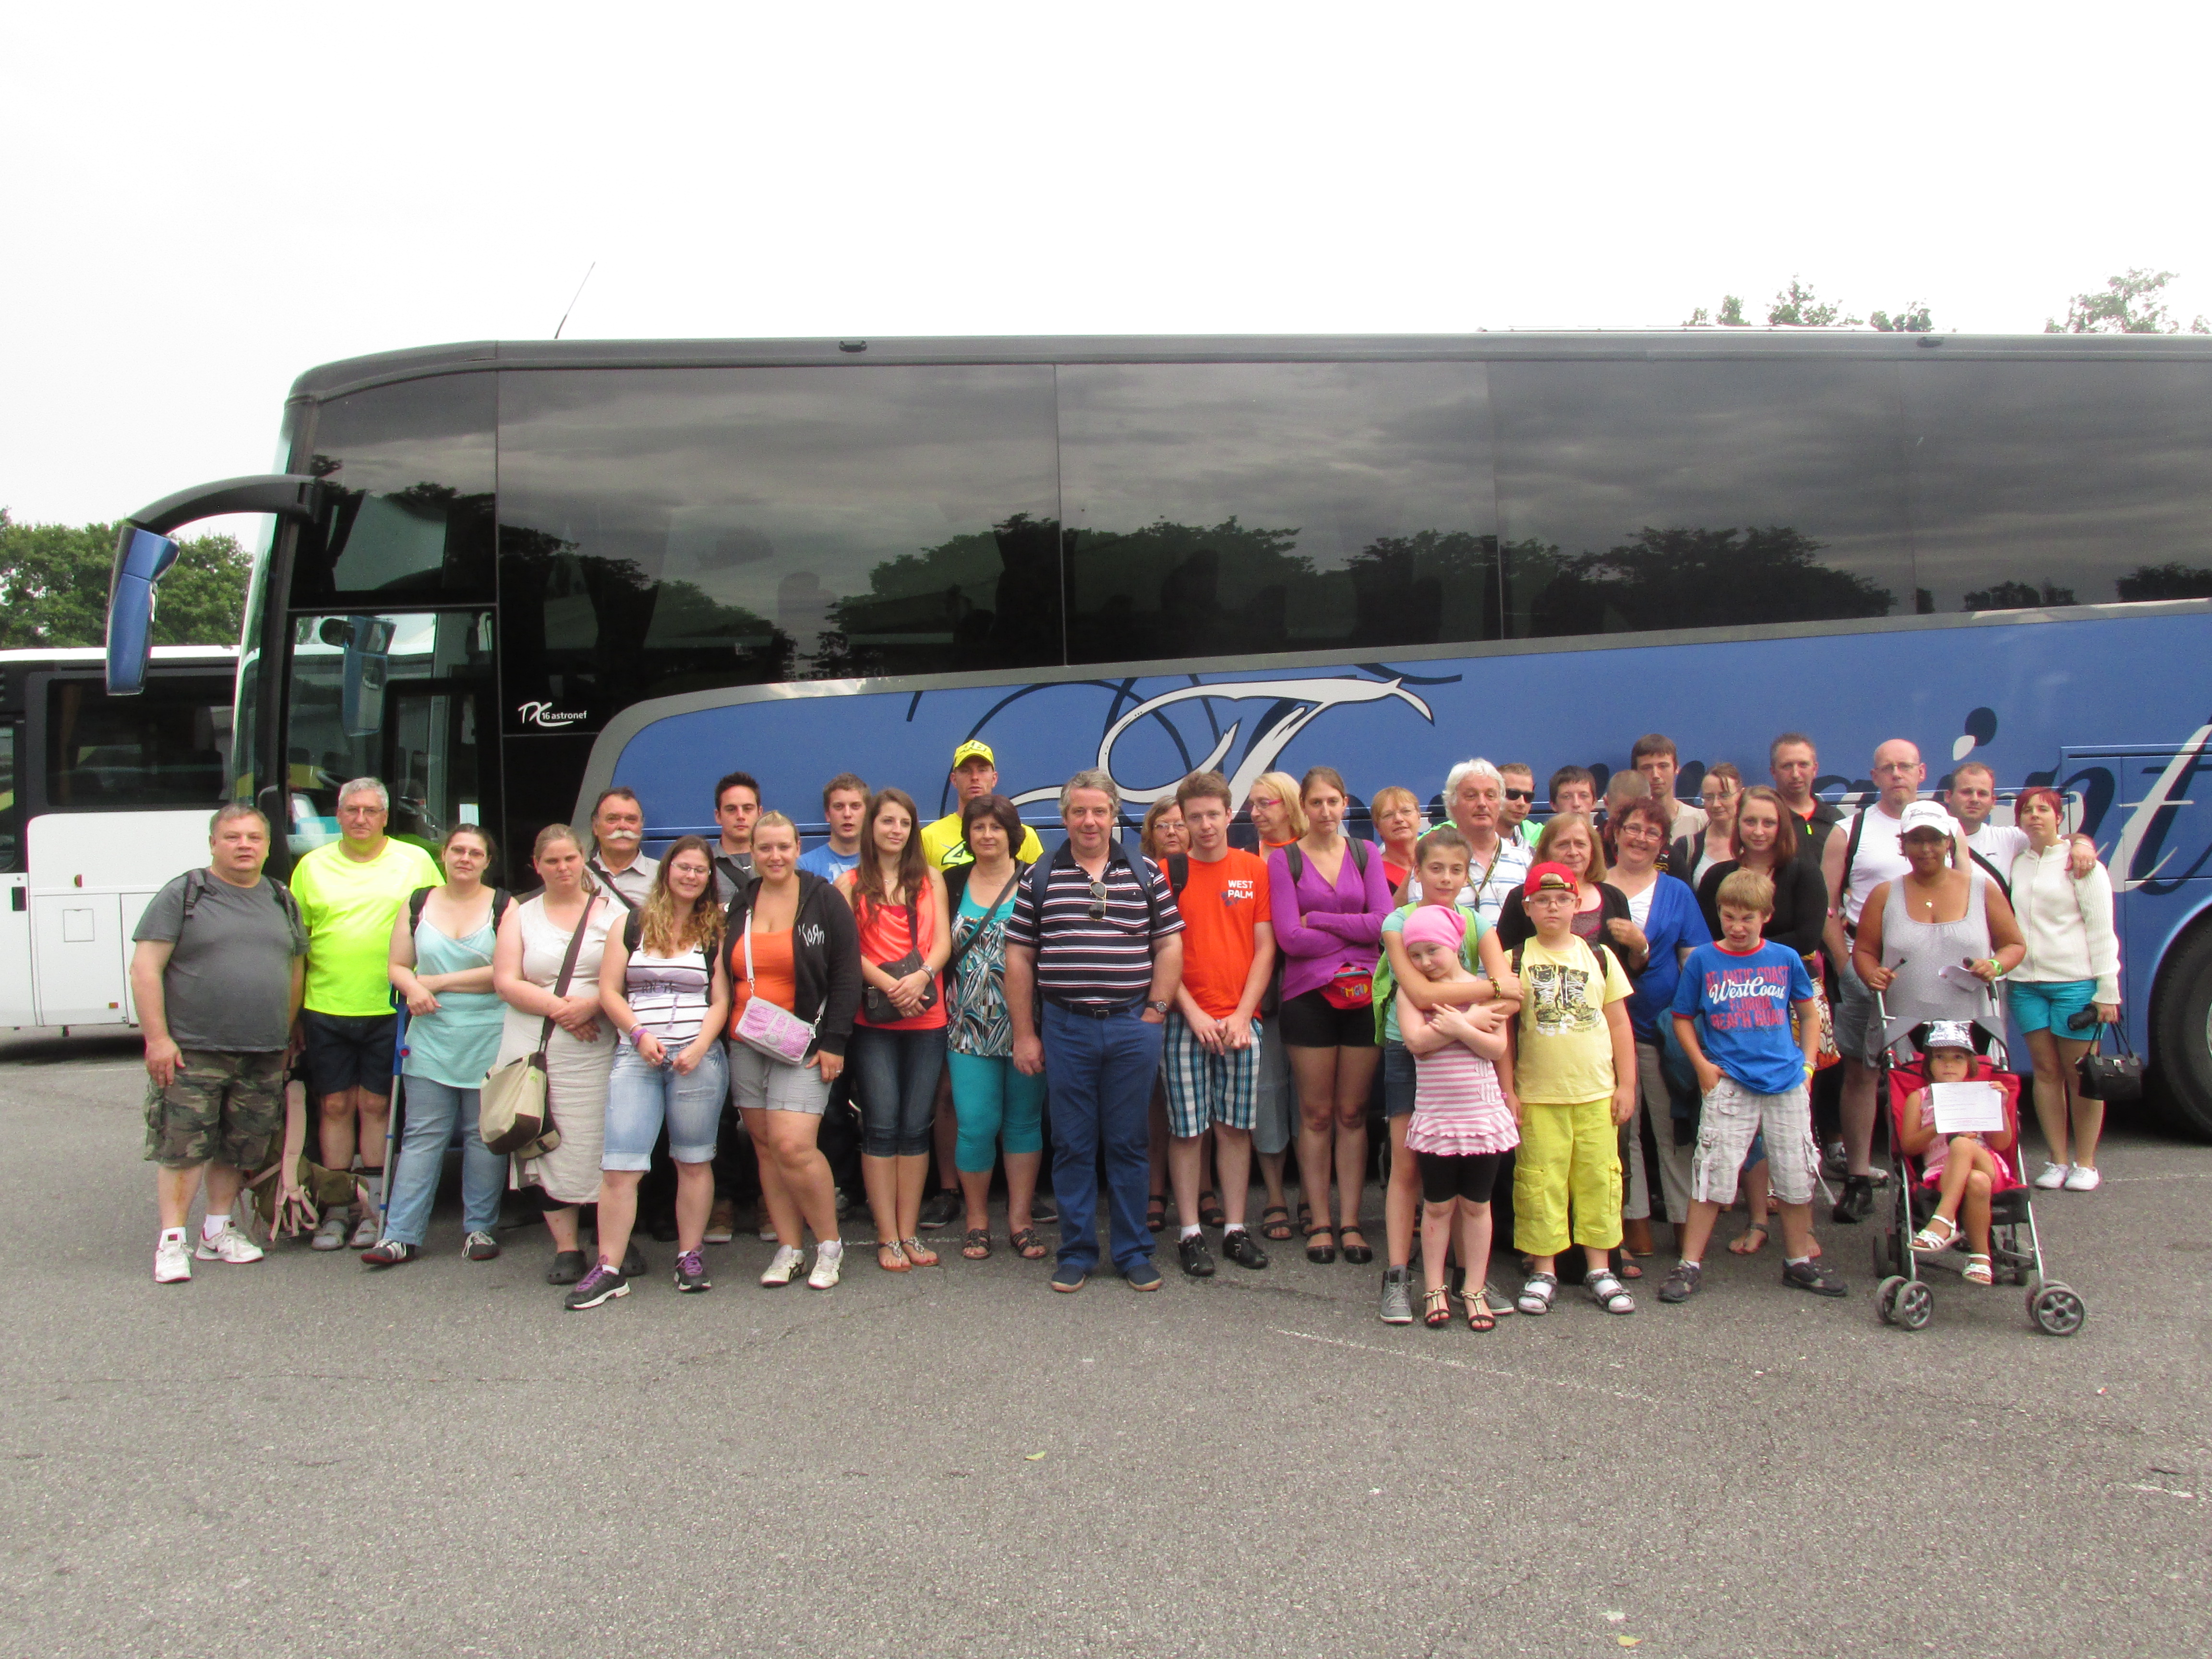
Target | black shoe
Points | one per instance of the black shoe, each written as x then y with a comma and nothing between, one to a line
1682,1283
692,1273
1042,1209
1857,1202
1357,1254
634,1264
1241,1248
602,1283
1142,1277
1197,1259
942,1211
664,1230
567,1267
1811,1276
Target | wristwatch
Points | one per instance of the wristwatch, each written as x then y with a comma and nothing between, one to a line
1160,1008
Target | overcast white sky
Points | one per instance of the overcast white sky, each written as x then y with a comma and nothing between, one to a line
201,201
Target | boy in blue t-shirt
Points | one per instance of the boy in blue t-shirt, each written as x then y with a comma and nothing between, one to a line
1732,1011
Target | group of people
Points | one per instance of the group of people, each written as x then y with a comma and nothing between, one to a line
1643,988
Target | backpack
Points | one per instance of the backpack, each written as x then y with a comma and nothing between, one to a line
1039,880
1296,859
195,887
421,895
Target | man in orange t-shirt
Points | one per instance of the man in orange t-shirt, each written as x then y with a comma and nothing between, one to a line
1211,1052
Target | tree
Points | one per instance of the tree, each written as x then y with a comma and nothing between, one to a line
1731,314
2019,596
1796,307
1913,319
53,587
2130,304
1688,577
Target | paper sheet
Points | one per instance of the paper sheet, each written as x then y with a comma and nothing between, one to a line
1966,1109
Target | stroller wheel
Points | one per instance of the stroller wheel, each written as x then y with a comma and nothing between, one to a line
1916,1306
1885,1295
2057,1310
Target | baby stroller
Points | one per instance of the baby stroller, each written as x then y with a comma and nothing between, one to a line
1904,1297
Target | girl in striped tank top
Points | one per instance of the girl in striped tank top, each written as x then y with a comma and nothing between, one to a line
1462,1127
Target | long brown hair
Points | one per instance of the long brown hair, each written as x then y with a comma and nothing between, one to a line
1786,832
661,929
913,869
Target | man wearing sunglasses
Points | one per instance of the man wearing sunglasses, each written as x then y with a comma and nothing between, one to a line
1513,823
1095,936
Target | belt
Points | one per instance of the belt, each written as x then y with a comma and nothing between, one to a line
1094,1009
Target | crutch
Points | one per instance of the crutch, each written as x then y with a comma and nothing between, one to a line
391,1114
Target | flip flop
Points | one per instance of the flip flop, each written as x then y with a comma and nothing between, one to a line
1739,1246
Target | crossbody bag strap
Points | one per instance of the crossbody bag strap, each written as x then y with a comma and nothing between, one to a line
984,921
746,939
567,967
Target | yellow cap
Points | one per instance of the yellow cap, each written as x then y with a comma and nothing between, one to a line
973,749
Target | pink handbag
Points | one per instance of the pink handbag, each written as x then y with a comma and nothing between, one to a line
776,1032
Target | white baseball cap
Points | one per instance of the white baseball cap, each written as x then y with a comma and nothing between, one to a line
1925,815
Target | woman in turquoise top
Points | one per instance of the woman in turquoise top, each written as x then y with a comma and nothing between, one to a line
441,948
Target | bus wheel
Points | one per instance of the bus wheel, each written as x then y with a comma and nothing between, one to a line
2181,1037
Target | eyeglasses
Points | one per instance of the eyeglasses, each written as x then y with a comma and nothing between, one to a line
1097,901
1519,794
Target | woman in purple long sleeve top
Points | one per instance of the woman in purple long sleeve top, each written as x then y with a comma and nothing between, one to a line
1328,911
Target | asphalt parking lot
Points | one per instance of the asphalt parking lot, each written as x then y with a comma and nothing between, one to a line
302,1457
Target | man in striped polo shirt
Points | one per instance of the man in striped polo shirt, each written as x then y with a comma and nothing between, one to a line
1095,937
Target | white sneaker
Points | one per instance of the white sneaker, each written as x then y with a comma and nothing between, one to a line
767,1230
829,1262
783,1266
229,1245
172,1262
2051,1175
2079,1178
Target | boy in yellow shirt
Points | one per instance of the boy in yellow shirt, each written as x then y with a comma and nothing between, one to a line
1571,1076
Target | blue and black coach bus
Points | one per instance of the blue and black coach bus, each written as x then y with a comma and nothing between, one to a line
503,576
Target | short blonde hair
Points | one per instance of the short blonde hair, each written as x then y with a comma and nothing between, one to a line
1388,796
1746,890
1284,788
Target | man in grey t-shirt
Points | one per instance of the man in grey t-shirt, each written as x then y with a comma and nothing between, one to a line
220,964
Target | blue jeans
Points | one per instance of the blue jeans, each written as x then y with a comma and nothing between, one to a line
432,1108
641,1097
895,1080
1098,1076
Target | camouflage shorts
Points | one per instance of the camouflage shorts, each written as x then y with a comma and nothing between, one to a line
221,1108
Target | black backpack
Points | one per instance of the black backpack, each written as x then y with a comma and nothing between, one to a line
195,887
1297,860
1039,879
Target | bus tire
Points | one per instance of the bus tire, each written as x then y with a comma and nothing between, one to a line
2181,1037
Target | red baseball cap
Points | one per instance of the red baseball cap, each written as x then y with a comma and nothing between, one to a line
1550,878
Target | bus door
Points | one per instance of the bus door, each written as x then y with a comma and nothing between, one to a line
403,697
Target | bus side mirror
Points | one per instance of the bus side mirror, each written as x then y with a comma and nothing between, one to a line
140,558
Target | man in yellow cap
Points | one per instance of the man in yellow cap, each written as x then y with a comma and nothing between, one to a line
975,774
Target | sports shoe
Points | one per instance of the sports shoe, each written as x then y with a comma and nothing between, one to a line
782,1267
602,1283
331,1232
1197,1259
941,1209
172,1260
722,1221
1856,1203
1042,1209
1812,1276
829,1263
480,1246
229,1245
1397,1296
1143,1276
1241,1248
1836,1161
2051,1175
1683,1282
364,1231
2080,1178
389,1253
1067,1278
692,1273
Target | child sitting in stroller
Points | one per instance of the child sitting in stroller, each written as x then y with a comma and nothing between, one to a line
1965,1169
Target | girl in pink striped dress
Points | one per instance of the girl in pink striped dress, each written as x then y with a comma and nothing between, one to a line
1462,1127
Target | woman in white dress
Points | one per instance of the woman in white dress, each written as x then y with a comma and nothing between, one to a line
533,941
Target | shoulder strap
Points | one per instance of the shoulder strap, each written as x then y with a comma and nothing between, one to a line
1851,853
195,885
984,922
501,898
1360,853
568,966
1991,872
1296,862
632,931
607,881
1178,872
416,900
285,902
1040,881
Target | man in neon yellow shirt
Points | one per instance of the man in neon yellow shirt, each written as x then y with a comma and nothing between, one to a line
975,774
350,892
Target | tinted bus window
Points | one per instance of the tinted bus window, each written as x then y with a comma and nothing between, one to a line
1635,495
2047,483
665,531
10,820
412,464
166,747
1220,509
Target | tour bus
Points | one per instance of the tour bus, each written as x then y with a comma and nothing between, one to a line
503,576
102,799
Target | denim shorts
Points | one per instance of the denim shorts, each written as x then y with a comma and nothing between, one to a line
641,1097
2047,1004
1399,1078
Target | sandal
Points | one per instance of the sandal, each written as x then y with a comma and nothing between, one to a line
1536,1295
1320,1255
1741,1244
976,1247
1436,1314
1608,1291
1978,1271
891,1259
1275,1224
1305,1218
1478,1315
1156,1213
1628,1268
918,1253
1027,1245
1357,1254
1210,1212
1925,1242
